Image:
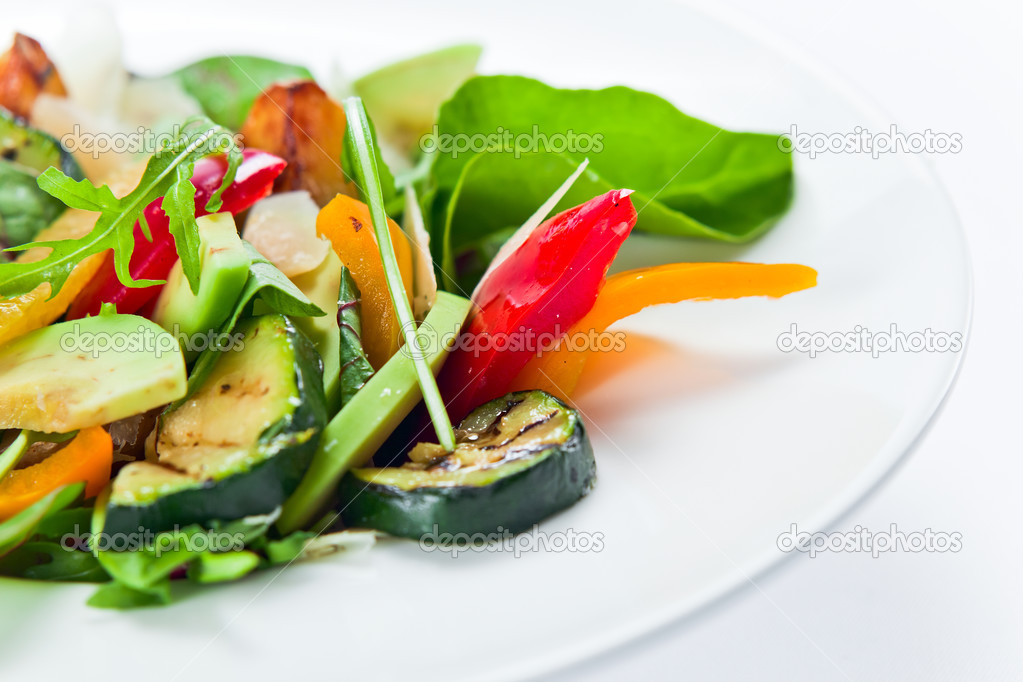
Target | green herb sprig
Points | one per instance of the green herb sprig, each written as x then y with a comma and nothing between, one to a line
168,174
361,138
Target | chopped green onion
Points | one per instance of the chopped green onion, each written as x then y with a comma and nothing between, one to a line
369,181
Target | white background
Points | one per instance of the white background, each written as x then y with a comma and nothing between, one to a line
951,67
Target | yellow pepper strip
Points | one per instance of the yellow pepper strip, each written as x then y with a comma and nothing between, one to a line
346,223
36,309
88,457
557,371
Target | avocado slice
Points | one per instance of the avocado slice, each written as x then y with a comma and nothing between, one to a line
87,372
224,267
362,425
320,285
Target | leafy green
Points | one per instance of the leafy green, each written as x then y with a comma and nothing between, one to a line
288,548
268,288
22,525
222,567
495,194
166,175
302,544
691,178
366,172
226,86
355,367
147,568
64,522
52,561
10,457
115,595
142,574
24,208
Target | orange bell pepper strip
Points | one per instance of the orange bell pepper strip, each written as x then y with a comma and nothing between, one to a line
557,370
346,223
88,457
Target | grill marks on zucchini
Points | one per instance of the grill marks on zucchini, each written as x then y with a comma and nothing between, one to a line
519,459
240,445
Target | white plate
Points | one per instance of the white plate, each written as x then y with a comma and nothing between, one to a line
711,446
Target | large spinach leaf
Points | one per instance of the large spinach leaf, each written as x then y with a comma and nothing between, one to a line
691,178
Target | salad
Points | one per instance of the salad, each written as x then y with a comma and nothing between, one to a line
248,318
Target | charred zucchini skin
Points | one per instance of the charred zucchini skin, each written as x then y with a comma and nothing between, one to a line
289,445
513,503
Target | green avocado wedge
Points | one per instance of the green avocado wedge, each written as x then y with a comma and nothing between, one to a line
224,268
520,458
81,373
362,425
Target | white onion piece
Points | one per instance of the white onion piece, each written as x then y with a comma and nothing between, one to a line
282,227
89,137
424,279
88,58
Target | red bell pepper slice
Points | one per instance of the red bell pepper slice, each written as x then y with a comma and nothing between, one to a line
544,287
154,259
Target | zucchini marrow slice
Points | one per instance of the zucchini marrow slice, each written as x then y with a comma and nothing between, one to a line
25,209
239,446
519,459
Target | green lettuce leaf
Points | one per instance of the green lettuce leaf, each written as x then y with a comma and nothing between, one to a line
691,178
226,86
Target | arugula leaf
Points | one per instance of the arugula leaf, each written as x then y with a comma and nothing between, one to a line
22,525
355,367
141,575
226,86
223,566
115,595
54,562
691,178
166,175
